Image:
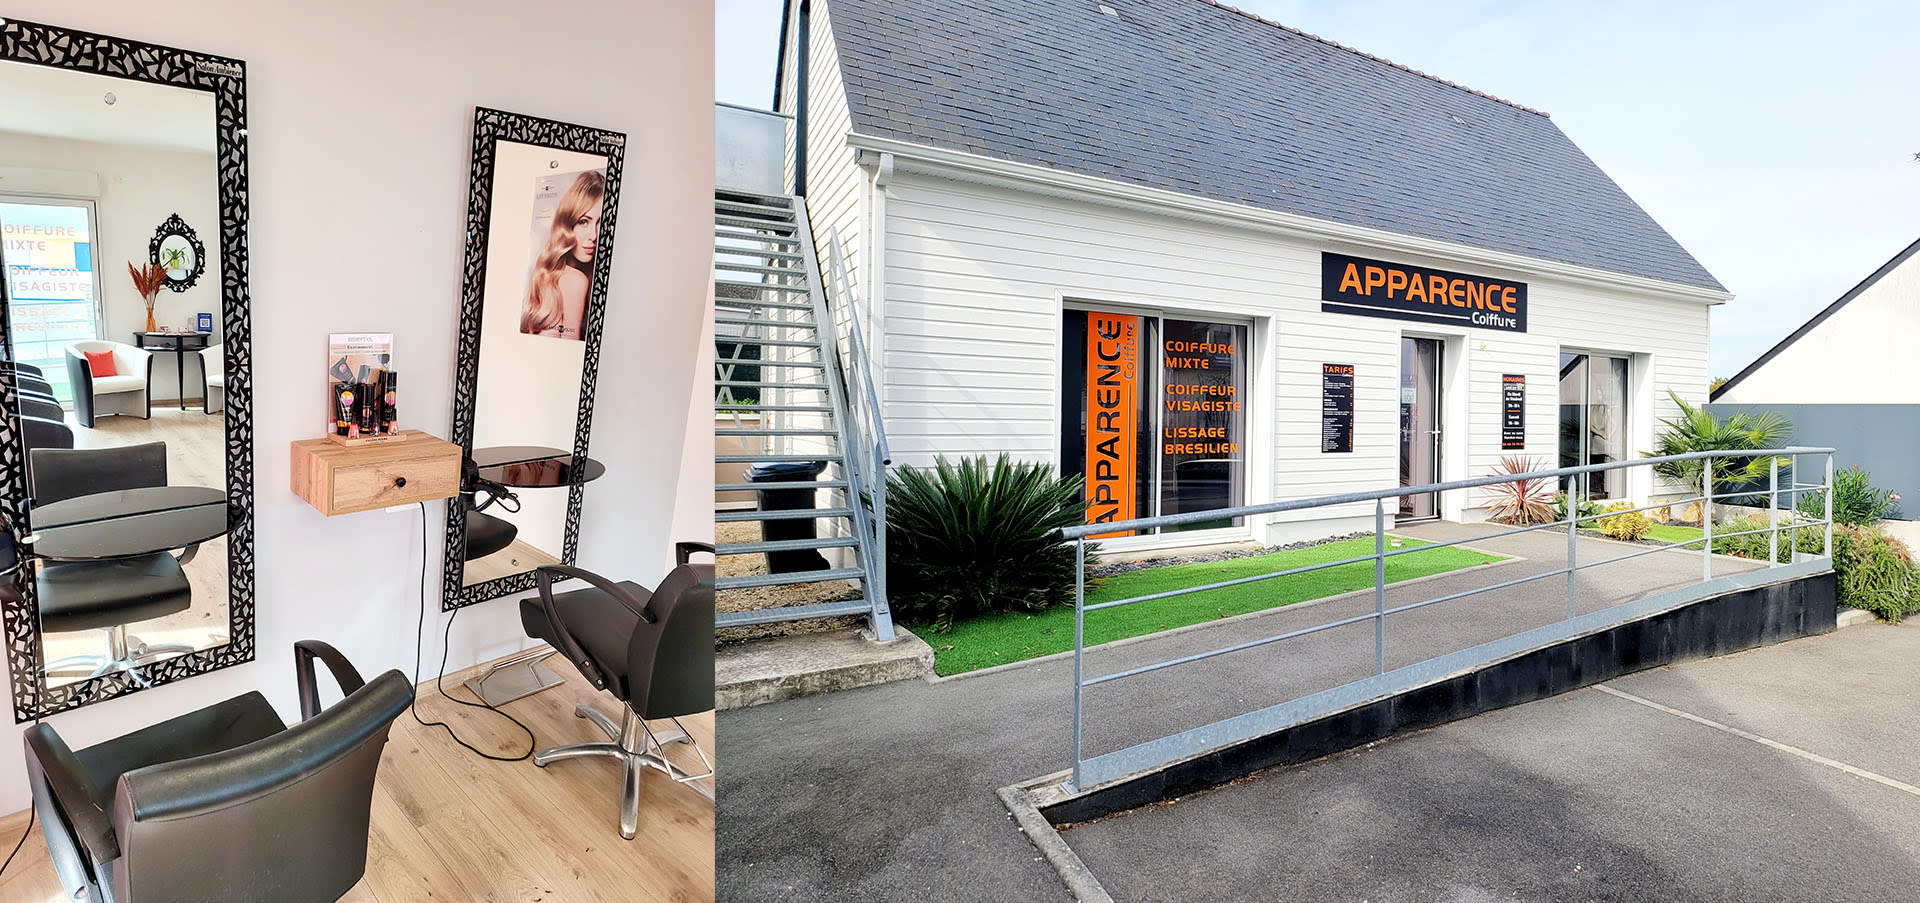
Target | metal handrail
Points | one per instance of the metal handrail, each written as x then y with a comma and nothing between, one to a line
1187,743
873,424
865,479
1213,514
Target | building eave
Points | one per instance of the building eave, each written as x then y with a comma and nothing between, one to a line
926,160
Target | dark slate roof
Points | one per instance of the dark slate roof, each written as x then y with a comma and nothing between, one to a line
1202,99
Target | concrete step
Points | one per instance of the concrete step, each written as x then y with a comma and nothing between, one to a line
763,671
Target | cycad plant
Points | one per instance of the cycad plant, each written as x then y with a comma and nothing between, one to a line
979,536
1695,430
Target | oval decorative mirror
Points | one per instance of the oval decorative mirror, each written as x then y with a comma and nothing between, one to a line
176,250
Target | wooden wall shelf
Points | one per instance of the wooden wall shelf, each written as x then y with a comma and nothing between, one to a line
414,467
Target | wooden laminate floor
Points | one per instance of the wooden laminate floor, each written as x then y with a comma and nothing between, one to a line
448,825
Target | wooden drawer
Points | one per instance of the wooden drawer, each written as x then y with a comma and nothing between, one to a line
415,467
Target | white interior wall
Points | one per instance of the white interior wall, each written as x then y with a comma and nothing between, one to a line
140,186
360,127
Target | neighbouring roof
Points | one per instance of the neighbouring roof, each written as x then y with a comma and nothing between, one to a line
1818,319
1202,99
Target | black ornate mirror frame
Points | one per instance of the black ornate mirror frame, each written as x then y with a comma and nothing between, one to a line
225,79
172,227
490,127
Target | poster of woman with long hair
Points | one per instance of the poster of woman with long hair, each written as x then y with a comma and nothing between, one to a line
567,209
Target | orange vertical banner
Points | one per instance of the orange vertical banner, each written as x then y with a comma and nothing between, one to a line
1113,418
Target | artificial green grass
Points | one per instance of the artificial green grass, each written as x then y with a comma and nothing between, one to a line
1015,636
1666,533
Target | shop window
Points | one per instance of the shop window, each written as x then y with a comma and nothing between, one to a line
1154,415
1593,421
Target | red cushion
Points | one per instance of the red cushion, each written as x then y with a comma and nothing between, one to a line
100,363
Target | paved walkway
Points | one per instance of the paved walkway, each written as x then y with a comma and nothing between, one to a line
887,792
1783,773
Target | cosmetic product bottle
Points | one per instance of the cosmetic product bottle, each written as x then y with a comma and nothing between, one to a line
378,402
365,411
390,410
343,408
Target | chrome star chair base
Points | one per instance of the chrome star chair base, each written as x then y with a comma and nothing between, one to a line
652,651
638,748
125,654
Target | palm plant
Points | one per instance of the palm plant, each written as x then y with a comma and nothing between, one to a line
978,536
1695,430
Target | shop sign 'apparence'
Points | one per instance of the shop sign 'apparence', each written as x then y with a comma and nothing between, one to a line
1376,288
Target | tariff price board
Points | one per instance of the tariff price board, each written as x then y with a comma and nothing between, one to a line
1336,408
1513,412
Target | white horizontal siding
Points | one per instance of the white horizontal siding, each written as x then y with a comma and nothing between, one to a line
975,281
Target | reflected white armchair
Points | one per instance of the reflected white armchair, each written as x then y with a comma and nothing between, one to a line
125,392
213,369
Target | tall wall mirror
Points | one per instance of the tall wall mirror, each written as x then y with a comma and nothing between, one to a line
540,218
125,446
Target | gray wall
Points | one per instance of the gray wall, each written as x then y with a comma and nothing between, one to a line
1879,438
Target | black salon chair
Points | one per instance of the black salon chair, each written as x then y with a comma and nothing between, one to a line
29,384
107,595
226,803
43,408
652,651
20,367
43,433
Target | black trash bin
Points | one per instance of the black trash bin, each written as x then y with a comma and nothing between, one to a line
772,499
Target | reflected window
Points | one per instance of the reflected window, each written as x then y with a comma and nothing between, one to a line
51,283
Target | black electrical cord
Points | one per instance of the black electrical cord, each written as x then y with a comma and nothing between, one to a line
31,812
445,642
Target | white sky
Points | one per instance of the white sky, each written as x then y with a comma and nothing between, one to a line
1775,140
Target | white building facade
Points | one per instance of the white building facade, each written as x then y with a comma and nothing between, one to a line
1274,355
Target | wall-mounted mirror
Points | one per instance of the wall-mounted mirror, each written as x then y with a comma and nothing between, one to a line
125,446
540,218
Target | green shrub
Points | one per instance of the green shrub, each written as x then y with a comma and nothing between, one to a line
1586,508
1855,501
979,536
1630,526
1812,540
1876,572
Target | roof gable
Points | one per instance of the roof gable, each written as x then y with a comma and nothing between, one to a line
1189,96
1819,318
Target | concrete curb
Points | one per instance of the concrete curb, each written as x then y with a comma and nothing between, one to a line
1080,880
934,678
1850,617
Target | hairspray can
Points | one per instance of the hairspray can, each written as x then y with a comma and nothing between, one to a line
389,411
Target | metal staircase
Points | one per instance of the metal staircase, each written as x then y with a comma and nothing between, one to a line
769,295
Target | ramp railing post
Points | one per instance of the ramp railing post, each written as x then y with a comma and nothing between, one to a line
1706,518
1379,586
1829,543
1079,645
1773,513
1573,528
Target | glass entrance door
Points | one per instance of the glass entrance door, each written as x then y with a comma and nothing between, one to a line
1419,425
1593,422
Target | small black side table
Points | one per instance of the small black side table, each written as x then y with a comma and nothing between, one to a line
179,343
